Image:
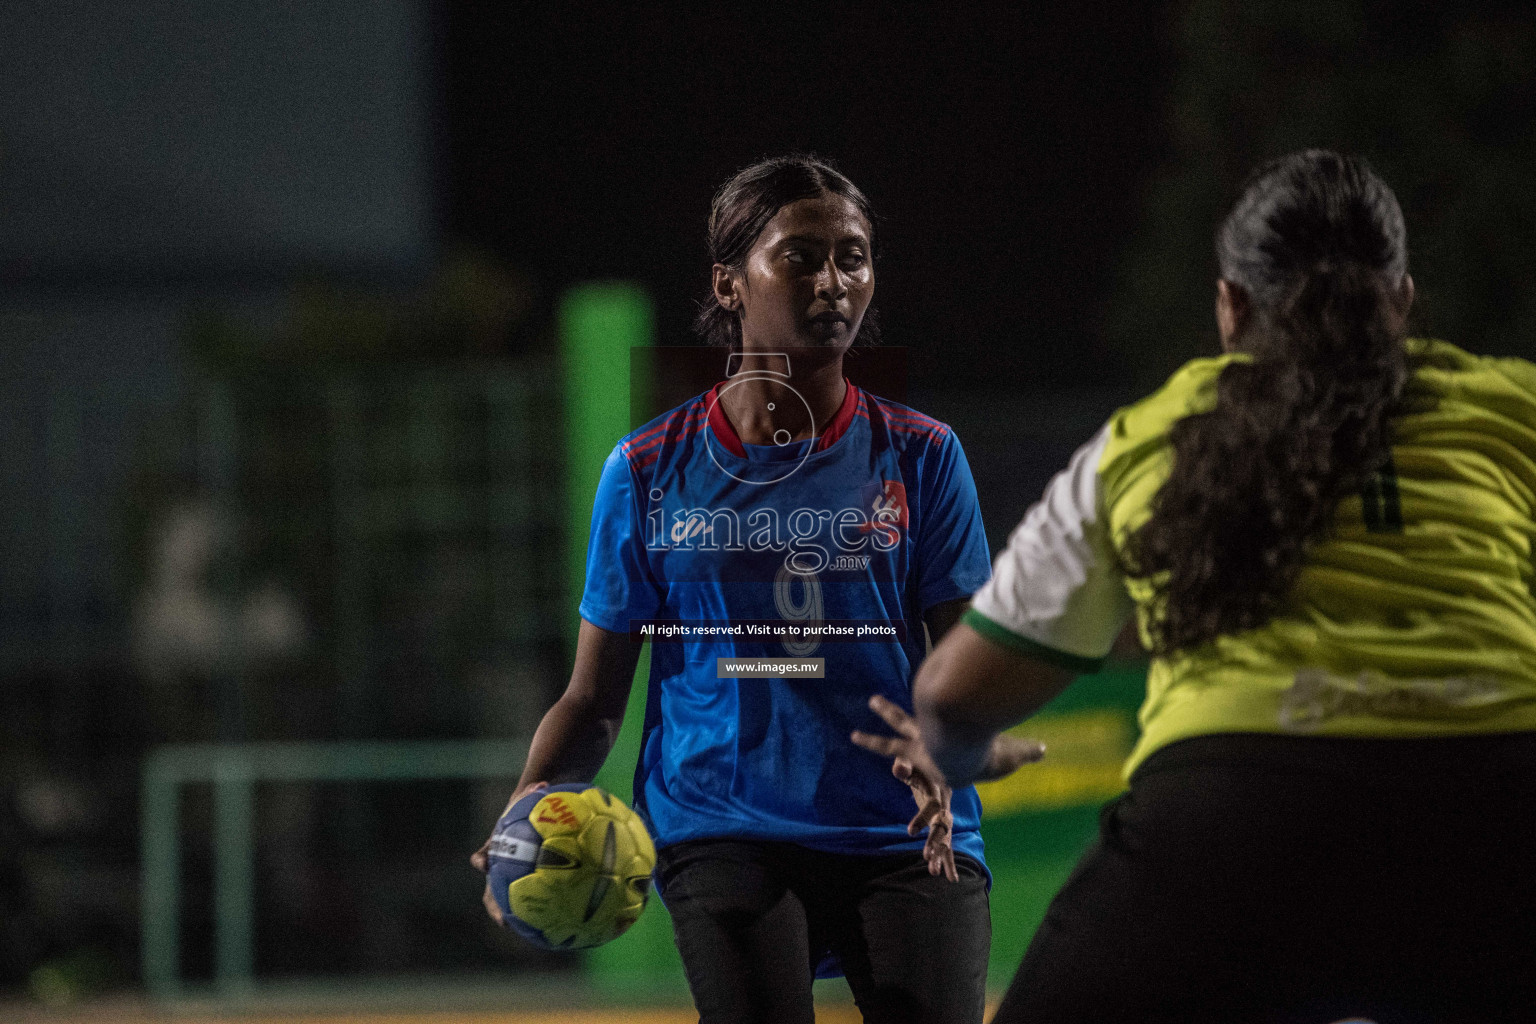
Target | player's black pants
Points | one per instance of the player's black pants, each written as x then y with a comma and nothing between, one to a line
752,919
1254,878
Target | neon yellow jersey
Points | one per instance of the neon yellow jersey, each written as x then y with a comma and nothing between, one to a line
1416,617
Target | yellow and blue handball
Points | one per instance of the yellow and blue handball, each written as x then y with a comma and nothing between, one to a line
570,866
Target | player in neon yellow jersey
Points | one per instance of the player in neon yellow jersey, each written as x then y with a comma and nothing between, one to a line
1326,536
1413,617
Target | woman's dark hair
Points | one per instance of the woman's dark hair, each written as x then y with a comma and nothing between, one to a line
1317,242
744,206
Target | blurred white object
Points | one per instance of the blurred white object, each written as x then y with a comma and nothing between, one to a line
184,626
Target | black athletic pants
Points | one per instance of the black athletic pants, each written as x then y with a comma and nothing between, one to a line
1248,878
752,920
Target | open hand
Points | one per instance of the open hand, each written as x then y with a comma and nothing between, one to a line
912,764
933,813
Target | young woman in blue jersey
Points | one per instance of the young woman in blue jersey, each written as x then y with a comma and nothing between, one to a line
787,497
1327,537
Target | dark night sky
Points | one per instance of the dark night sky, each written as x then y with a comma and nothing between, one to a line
1007,154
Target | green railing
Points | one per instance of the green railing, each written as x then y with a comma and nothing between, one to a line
234,770
599,324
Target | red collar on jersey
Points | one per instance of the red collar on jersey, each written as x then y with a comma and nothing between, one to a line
834,429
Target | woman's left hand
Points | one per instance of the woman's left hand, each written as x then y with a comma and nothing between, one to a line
933,813
912,765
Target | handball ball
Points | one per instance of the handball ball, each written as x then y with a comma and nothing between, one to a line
570,866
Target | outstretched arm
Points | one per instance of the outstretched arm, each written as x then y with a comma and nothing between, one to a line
969,690
1051,611
912,764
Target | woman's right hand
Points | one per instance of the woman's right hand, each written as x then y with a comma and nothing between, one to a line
481,858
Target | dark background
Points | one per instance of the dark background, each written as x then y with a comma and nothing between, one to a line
1048,177
264,269
1007,153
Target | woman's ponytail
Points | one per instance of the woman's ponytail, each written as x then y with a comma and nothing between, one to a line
1317,243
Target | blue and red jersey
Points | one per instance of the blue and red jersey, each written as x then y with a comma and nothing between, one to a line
867,525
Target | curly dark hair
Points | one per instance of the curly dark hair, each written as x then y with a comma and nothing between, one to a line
1317,242
744,206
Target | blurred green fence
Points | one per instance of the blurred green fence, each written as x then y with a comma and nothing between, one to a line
234,770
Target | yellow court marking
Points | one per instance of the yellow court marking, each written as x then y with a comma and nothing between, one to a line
1085,753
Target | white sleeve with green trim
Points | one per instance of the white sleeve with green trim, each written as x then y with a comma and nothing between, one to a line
1057,588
